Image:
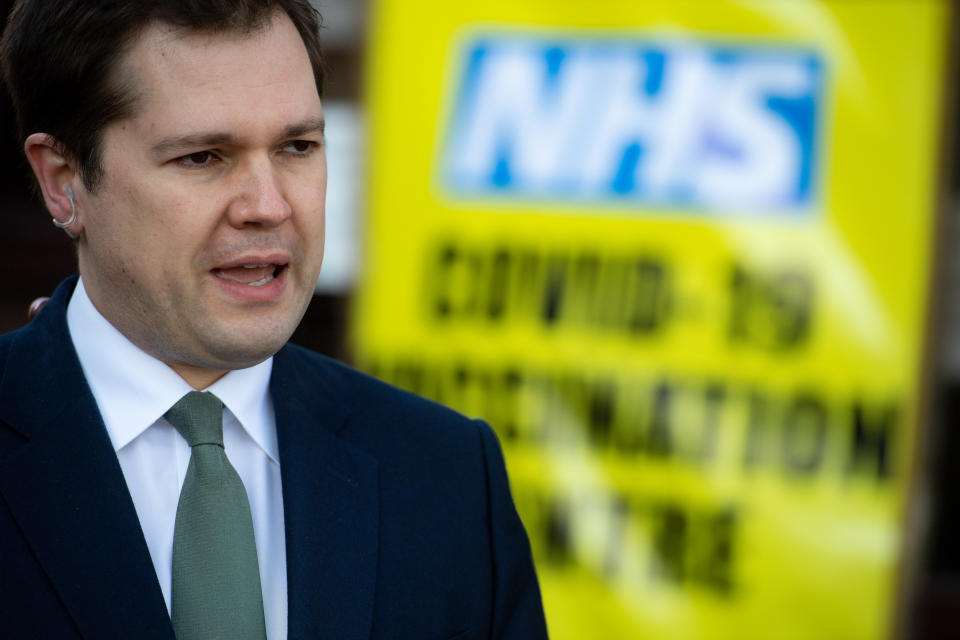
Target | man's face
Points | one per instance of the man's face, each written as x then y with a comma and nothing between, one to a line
203,242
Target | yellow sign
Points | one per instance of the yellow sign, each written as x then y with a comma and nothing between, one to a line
677,254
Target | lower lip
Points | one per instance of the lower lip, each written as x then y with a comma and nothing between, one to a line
246,293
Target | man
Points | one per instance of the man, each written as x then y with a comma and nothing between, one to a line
181,145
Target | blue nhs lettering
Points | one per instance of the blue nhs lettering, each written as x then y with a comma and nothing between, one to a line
675,124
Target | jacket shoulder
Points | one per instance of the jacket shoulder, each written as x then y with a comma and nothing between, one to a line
358,388
6,343
383,416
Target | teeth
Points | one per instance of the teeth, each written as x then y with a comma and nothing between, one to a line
261,282
256,266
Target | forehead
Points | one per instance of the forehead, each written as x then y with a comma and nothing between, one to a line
236,80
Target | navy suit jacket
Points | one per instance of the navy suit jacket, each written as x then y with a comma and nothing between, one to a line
399,520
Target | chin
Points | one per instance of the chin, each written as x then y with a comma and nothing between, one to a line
240,340
243,346
248,353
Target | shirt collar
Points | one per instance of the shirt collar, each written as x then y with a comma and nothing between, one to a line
133,389
246,394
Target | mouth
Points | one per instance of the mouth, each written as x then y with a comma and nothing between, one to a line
251,274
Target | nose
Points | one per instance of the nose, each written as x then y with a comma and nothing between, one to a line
260,199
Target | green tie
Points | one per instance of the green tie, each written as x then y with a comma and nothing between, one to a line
216,579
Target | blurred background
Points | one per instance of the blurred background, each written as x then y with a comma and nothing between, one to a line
697,264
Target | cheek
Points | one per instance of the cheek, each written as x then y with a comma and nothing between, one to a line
170,223
315,229
308,204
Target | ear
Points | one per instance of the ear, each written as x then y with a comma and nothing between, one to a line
55,172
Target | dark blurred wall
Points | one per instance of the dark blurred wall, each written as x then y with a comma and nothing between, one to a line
936,612
33,253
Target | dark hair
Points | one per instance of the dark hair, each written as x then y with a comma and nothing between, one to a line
60,59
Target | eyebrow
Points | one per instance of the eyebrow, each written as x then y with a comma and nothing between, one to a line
214,139
311,125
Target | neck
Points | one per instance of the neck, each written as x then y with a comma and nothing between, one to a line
197,377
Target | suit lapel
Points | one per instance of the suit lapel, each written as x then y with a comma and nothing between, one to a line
64,487
331,504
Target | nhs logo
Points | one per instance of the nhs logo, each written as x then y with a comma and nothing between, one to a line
652,124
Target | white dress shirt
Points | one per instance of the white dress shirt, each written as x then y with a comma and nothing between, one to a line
133,390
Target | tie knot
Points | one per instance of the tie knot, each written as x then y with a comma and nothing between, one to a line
198,417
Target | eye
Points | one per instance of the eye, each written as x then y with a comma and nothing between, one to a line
300,147
197,159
